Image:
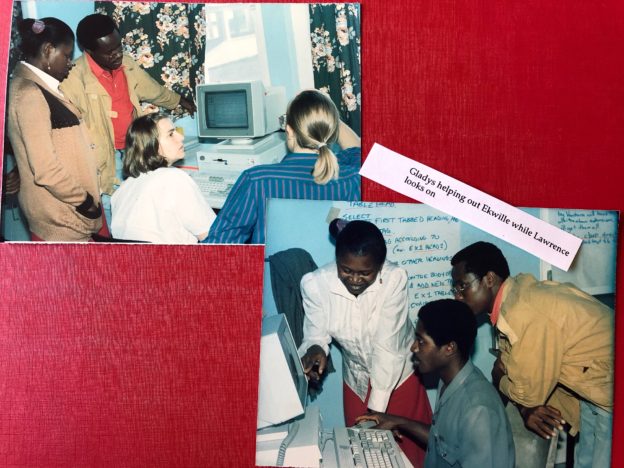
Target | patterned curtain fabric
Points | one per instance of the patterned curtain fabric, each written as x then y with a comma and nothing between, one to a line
14,57
14,53
335,35
167,39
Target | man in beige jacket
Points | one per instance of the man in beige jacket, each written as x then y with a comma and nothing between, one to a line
108,86
556,344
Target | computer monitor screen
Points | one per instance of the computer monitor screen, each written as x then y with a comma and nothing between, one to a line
238,110
283,386
226,109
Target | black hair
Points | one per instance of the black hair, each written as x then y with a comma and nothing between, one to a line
447,320
93,27
358,238
34,33
482,257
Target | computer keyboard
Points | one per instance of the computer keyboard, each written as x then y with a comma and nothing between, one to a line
366,448
214,187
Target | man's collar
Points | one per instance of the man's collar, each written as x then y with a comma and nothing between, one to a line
498,300
97,69
457,381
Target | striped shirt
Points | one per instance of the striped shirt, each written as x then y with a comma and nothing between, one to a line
242,218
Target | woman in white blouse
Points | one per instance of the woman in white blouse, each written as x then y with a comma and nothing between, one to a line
360,302
158,202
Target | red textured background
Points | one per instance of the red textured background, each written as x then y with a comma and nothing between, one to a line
117,355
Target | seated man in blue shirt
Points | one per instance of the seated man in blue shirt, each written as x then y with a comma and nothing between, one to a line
310,171
470,428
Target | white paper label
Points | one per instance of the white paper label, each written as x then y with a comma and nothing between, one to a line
422,183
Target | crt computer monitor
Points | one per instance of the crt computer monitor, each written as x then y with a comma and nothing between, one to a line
283,386
238,110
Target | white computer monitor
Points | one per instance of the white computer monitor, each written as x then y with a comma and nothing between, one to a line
238,110
283,386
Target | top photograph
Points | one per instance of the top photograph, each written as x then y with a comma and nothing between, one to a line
175,123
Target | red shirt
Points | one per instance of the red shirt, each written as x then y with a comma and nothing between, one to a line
122,110
498,300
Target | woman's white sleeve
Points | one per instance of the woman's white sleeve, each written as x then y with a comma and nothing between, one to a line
316,320
390,341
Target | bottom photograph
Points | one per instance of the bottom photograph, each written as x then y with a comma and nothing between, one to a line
396,335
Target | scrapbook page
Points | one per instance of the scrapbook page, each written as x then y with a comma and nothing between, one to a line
149,355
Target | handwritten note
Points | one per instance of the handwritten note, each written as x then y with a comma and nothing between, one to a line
594,269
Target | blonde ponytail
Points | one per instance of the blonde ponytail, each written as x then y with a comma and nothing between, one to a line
326,167
314,121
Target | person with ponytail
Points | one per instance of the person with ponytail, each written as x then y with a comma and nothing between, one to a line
360,302
59,192
310,170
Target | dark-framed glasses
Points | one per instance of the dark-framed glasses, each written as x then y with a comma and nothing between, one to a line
282,122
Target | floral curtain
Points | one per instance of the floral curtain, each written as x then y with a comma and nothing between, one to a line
167,39
14,57
335,35
14,53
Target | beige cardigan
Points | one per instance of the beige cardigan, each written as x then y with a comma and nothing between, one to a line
55,158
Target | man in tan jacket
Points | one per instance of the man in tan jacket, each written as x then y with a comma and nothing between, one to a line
556,344
108,86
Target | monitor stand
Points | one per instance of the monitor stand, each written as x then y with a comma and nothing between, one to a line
241,141
249,145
